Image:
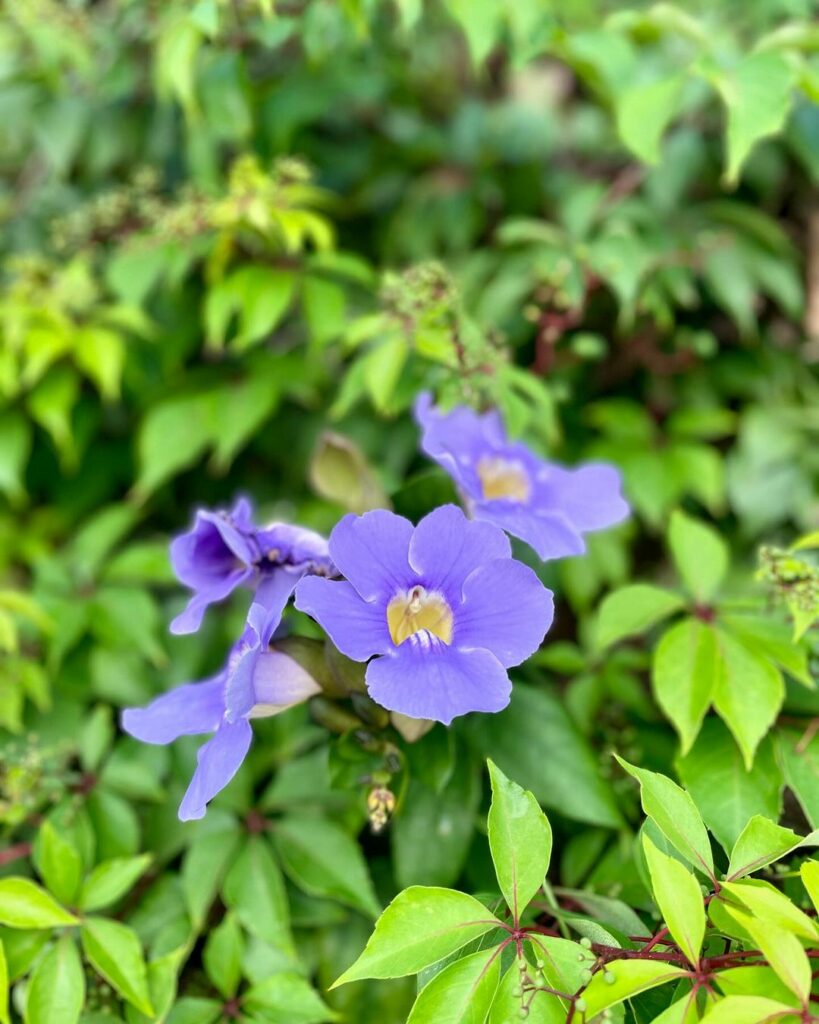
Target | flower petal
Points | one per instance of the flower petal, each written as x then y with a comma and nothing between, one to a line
589,496
184,711
424,678
189,620
506,609
357,627
270,600
550,534
217,762
371,552
446,547
456,440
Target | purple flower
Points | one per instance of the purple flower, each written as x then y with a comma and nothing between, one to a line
546,505
256,682
224,550
441,608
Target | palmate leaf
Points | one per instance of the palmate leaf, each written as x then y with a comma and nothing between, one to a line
630,977
56,991
116,954
421,926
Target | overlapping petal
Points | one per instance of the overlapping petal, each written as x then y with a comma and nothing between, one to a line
446,547
590,496
505,609
371,552
357,627
551,535
424,678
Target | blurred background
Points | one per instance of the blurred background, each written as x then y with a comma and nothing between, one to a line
239,236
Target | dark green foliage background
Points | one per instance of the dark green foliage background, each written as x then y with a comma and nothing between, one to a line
237,241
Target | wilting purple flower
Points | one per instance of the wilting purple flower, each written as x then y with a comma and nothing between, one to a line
224,550
256,682
441,608
546,505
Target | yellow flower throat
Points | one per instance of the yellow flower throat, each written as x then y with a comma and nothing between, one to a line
411,611
503,478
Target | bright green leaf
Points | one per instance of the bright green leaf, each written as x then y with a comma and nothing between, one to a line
115,953
421,926
23,904
644,111
673,811
633,609
677,893
461,993
700,555
684,671
56,992
111,879
520,839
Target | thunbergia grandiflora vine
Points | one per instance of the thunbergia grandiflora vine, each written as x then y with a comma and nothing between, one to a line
442,609
221,552
502,481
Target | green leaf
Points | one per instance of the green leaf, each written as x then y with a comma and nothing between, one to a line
4,987
432,834
644,112
190,1010
100,354
544,1008
809,873
204,866
726,793
15,445
800,766
115,953
480,21
684,672
781,949
677,894
748,694
23,904
461,993
56,992
287,997
633,609
382,367
254,888
259,295
767,903
630,978
700,555
762,842
748,1010
58,863
112,879
323,860
758,94
673,812
569,780
325,306
222,955
520,839
421,926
